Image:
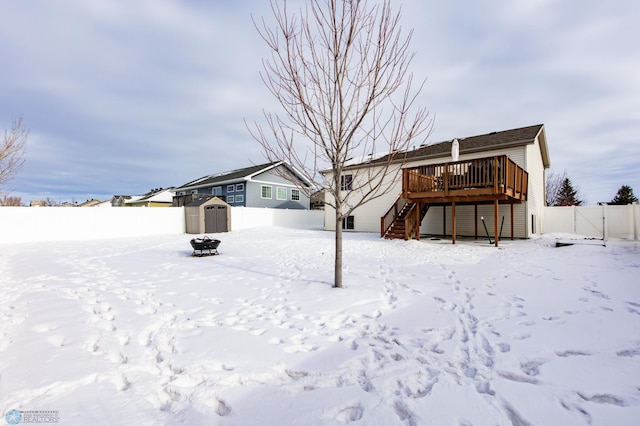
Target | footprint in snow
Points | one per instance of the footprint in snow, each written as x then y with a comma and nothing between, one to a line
568,353
629,352
350,414
223,409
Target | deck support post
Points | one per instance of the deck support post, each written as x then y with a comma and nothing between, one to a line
475,213
444,221
512,221
495,222
453,222
418,213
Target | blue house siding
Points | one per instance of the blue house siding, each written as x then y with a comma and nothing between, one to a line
255,196
244,188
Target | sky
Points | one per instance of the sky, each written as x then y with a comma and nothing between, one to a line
122,97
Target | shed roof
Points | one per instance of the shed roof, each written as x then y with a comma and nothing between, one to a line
204,200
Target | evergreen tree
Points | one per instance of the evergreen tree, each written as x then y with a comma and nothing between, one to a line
567,196
624,196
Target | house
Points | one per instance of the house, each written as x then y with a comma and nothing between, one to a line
276,185
89,203
317,200
119,200
499,176
155,198
106,203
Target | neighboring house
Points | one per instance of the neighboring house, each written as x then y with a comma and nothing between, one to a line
89,203
317,200
120,200
156,198
276,185
499,176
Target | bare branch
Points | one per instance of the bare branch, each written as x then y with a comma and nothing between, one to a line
12,151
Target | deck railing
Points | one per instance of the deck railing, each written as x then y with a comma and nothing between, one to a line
482,176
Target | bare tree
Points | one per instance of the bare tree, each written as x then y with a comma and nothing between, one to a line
553,184
7,200
12,151
560,190
339,69
50,202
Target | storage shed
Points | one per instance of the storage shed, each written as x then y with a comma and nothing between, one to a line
207,215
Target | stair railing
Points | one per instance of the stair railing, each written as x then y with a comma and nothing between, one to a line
387,219
410,223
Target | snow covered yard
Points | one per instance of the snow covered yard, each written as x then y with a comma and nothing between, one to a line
135,331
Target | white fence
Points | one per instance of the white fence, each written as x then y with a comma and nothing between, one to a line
253,217
593,221
28,224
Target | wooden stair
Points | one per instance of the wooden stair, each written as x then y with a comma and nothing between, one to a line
398,229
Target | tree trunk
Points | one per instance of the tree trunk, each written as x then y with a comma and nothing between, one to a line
337,281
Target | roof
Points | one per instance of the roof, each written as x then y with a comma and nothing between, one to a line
240,174
205,199
479,143
157,196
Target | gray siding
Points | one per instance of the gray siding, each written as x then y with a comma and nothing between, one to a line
254,196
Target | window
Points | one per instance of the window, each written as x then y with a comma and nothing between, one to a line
348,222
265,192
230,199
533,224
194,191
230,188
239,199
239,187
295,194
281,193
217,190
346,182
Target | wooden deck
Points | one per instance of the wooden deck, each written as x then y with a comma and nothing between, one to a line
478,180
496,179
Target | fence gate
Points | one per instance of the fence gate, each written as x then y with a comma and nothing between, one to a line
215,219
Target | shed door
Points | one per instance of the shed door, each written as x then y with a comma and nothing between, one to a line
215,219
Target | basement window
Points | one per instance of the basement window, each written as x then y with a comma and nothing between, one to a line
348,222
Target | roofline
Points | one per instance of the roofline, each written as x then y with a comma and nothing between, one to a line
544,148
399,158
221,183
248,177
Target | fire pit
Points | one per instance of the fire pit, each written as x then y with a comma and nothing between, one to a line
204,246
